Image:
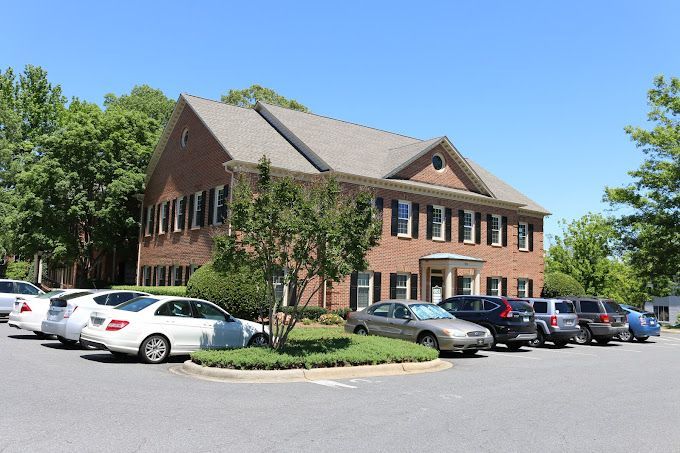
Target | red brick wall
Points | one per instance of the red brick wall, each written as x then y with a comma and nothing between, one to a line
450,176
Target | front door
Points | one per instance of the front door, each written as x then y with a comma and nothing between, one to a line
436,289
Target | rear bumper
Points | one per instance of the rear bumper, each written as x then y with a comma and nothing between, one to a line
19,321
606,330
511,337
463,344
562,334
53,328
94,339
647,331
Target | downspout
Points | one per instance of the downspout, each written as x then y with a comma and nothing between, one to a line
140,197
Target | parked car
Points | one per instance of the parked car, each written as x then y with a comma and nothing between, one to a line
156,327
422,322
28,314
67,316
511,322
556,321
599,319
641,325
10,289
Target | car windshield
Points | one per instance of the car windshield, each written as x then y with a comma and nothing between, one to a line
47,295
612,307
70,296
430,311
136,304
564,307
520,305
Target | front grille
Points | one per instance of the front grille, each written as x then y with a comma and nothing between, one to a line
476,333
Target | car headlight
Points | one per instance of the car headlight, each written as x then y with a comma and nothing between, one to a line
453,333
487,332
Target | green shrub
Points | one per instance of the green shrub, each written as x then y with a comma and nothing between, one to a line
306,321
238,292
330,319
311,311
180,291
342,312
558,284
317,348
18,270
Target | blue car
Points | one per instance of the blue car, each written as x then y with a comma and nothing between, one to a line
641,324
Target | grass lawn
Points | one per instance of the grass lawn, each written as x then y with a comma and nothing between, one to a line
318,348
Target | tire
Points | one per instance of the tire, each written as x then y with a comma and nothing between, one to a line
259,340
539,341
515,345
470,352
428,340
66,341
584,336
361,330
626,336
560,343
155,349
40,335
641,339
603,340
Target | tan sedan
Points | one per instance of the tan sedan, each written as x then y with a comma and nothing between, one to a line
422,322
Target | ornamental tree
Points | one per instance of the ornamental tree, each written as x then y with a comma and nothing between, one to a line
315,232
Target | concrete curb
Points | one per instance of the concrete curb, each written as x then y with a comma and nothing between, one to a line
301,375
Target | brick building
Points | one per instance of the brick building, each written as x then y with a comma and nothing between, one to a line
449,226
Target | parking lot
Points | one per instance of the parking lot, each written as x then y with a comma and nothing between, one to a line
619,397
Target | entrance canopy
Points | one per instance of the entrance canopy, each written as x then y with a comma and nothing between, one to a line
441,276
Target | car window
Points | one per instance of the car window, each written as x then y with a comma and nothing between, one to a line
137,304
541,307
74,295
564,307
25,288
380,310
50,294
489,305
7,287
447,305
208,311
590,306
119,298
520,305
430,311
177,308
401,312
612,307
472,304
101,300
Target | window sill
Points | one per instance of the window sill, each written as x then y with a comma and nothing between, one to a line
439,239
195,228
497,245
469,242
404,236
523,250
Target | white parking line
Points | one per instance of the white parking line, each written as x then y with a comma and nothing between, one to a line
621,349
558,351
510,354
333,384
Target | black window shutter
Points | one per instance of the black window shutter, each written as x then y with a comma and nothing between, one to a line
379,206
158,217
202,216
461,225
505,231
292,293
415,220
531,237
395,213
181,276
504,287
448,224
393,286
488,286
353,290
478,227
429,221
153,278
531,288
171,222
459,284
151,224
377,277
414,286
186,274
191,210
518,287
167,217
144,220
489,224
211,206
223,209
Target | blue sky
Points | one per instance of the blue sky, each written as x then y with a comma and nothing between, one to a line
537,92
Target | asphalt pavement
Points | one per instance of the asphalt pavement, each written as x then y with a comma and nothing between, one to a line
619,397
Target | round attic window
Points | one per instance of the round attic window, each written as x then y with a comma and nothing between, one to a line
438,162
185,138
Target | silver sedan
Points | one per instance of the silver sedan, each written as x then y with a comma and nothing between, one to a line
422,322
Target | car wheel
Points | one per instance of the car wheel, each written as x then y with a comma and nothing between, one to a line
40,335
515,345
66,341
583,336
603,340
154,349
361,331
470,352
429,341
560,343
259,340
539,341
641,339
626,336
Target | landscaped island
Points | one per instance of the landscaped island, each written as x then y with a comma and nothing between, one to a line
318,348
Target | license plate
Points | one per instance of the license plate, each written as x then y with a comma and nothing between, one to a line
569,323
525,319
52,315
97,321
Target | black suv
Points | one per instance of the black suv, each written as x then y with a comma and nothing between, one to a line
511,322
599,319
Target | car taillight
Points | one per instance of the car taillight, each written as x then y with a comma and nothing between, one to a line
24,307
348,315
553,320
116,324
643,321
604,318
507,311
69,312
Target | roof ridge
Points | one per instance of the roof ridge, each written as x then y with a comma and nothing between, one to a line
343,121
217,102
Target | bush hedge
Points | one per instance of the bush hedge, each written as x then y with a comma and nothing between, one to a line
180,291
318,348
558,284
238,291
18,270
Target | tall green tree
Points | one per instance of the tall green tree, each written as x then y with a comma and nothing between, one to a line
248,97
650,223
313,231
144,99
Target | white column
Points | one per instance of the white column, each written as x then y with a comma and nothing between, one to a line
478,282
448,285
423,283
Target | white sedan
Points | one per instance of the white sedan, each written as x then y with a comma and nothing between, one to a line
28,314
68,314
156,327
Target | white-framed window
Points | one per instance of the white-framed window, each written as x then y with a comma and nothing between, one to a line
496,230
494,288
469,226
219,205
522,287
163,217
146,272
149,220
438,162
180,208
661,312
402,286
466,286
177,275
438,223
198,210
364,287
404,218
522,241
280,286
184,140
